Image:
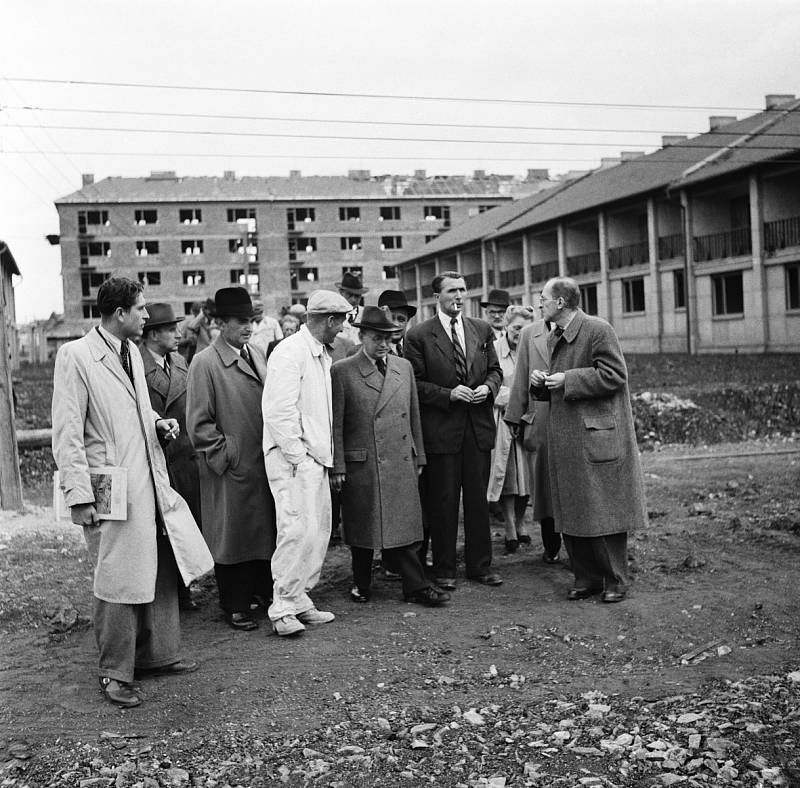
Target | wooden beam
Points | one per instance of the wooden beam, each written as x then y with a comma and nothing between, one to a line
10,478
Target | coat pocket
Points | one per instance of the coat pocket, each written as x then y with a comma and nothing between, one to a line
600,439
355,455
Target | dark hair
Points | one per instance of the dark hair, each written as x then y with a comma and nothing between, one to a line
116,292
436,284
566,288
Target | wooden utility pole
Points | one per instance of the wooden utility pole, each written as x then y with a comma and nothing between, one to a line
10,478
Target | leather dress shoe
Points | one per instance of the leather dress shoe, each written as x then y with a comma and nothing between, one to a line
188,604
173,669
489,579
511,546
430,597
613,596
550,559
360,595
524,538
259,601
120,693
447,583
581,593
241,621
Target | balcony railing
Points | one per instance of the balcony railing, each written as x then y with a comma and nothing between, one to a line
541,272
670,246
717,246
632,254
512,278
583,263
781,234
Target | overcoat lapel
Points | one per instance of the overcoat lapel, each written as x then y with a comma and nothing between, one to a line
177,378
471,342
156,378
109,359
370,373
540,343
391,383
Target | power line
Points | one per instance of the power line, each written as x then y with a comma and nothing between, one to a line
347,121
384,96
279,135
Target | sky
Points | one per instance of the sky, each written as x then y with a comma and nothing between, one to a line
582,79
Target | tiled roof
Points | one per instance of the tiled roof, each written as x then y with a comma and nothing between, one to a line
8,258
260,189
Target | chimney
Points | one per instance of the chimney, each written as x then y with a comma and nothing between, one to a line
477,174
672,139
87,178
419,175
295,174
718,121
630,155
538,175
608,161
229,175
776,100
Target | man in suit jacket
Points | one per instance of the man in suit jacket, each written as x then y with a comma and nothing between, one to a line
223,415
352,290
528,415
102,417
401,311
377,455
458,376
166,372
595,474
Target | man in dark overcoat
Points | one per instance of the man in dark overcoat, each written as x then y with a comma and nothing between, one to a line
377,455
166,372
528,416
458,376
595,473
223,417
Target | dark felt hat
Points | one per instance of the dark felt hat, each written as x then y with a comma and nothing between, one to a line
352,283
160,315
396,299
377,318
497,298
233,302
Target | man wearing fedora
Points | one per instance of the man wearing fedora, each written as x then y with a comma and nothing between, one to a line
223,418
352,290
401,312
378,453
495,306
166,372
298,453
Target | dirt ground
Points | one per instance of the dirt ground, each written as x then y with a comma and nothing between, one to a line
356,702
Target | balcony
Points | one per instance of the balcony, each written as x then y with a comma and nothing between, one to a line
541,272
474,281
781,233
512,278
718,246
411,294
626,256
670,246
583,263
427,291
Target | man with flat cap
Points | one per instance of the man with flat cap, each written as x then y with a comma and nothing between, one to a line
352,290
401,312
166,372
378,453
223,418
298,453
495,306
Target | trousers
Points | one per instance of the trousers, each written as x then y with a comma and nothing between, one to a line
599,561
403,560
303,514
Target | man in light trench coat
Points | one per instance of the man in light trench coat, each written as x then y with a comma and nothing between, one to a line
102,417
377,455
298,452
595,474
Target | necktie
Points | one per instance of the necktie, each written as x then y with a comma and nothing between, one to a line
558,331
125,356
458,352
245,353
381,365
398,349
166,366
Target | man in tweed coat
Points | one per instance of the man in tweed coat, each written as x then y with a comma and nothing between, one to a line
595,474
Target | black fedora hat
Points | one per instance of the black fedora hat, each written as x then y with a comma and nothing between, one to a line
158,315
377,318
497,298
233,302
352,283
396,299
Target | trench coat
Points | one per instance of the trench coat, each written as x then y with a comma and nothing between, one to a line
223,418
532,415
168,399
100,419
504,444
595,472
377,442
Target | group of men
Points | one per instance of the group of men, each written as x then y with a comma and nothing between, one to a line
261,443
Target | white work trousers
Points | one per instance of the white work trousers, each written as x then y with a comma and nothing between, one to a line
303,513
